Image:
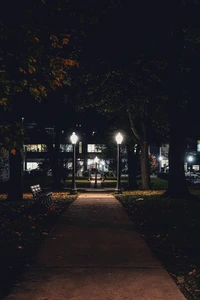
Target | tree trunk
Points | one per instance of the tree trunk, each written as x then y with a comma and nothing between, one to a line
145,169
141,137
15,191
177,187
132,169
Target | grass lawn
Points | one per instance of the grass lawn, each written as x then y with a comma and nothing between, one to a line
171,229
23,228
47,181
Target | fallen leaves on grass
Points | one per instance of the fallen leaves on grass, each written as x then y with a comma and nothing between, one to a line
171,229
24,227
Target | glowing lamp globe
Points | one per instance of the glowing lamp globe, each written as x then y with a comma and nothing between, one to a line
119,138
74,138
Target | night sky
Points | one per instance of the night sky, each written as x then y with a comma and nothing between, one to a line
105,35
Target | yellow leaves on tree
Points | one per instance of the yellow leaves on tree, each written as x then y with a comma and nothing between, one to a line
3,101
22,70
60,63
36,39
54,38
52,69
42,90
38,91
59,68
17,89
57,81
31,59
56,43
13,151
34,92
31,69
24,83
65,40
71,63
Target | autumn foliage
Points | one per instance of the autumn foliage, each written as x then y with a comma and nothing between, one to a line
34,61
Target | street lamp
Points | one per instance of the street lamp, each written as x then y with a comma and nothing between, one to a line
74,139
190,159
103,164
96,161
119,139
88,174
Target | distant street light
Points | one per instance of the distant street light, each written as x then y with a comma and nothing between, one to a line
190,159
160,159
74,139
119,139
96,161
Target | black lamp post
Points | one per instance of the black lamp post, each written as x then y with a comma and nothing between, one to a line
74,139
119,139
103,164
96,161
88,174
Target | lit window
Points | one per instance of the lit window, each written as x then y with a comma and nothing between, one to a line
32,148
80,147
94,148
66,147
37,148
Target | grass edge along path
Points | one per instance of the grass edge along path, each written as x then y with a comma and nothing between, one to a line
170,228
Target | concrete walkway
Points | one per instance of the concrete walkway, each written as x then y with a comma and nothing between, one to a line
95,254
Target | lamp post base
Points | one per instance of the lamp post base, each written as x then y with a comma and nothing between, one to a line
118,191
73,191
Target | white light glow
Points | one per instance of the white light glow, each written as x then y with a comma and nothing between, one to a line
190,158
119,138
96,160
74,138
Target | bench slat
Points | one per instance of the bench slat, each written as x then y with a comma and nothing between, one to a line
41,195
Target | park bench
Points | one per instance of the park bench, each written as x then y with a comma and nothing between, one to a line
41,195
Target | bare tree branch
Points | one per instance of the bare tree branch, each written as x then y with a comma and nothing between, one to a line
133,126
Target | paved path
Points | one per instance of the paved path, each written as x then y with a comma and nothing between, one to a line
95,254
